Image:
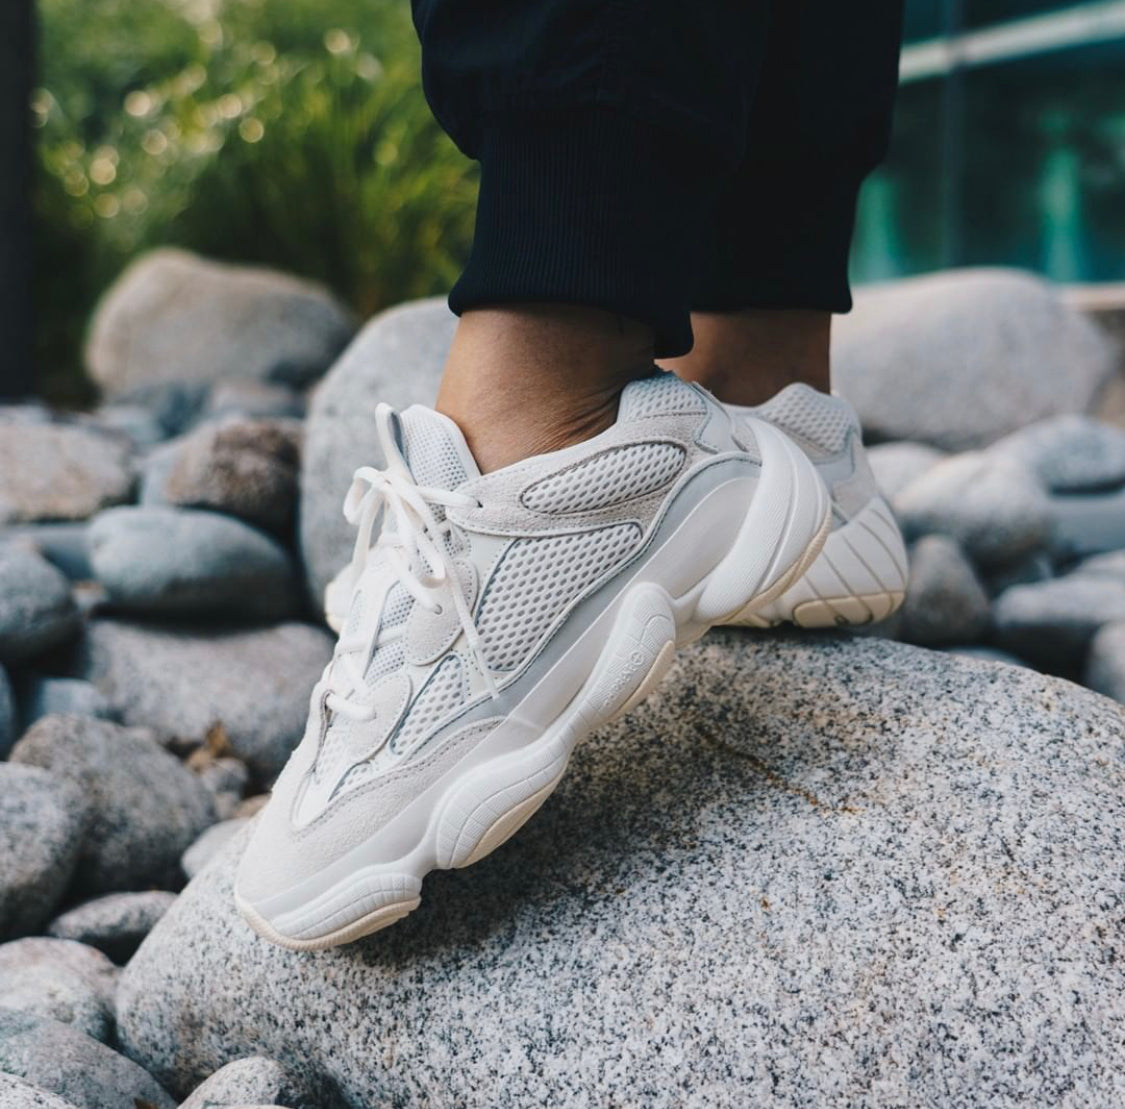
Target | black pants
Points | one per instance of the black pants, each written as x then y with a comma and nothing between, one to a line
655,158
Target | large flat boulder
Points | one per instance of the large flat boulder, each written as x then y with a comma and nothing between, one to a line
961,358
808,871
175,318
397,358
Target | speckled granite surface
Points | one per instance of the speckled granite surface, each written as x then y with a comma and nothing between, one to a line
808,872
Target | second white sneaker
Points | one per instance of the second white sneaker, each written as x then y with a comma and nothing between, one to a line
496,620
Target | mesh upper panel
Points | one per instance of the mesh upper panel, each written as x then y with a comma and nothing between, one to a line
823,420
609,478
662,394
431,455
443,692
536,579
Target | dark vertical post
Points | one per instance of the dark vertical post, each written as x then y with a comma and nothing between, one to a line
953,141
16,68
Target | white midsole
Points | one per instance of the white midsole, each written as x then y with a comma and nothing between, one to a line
747,534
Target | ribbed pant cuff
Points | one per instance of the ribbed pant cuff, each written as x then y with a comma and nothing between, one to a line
782,240
592,208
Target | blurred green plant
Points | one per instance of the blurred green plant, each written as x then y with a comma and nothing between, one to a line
292,133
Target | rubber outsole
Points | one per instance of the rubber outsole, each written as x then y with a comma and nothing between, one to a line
481,806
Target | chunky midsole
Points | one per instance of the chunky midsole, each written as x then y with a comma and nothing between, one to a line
737,543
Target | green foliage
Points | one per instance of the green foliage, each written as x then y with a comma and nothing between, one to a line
288,132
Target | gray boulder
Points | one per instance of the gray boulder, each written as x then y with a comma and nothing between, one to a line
146,807
246,468
17,1094
994,508
1105,663
254,399
1052,623
62,544
59,472
63,696
1069,454
863,841
72,1065
183,682
156,467
172,317
896,465
168,561
115,924
1087,523
61,980
397,358
36,609
945,601
960,359
253,1081
42,821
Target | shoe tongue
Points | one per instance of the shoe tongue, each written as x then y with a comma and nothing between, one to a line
434,449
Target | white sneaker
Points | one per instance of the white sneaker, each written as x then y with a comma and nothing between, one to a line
860,576
495,622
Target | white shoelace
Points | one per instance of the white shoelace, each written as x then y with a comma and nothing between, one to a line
413,543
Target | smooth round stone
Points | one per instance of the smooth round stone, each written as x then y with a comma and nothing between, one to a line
138,423
896,465
182,682
63,545
146,807
173,317
1105,663
36,608
397,358
1069,454
801,857
253,1081
204,849
76,1067
63,696
175,561
62,980
254,399
17,1094
945,601
1052,623
994,508
115,924
961,358
246,468
60,472
42,824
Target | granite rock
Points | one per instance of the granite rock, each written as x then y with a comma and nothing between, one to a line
17,1094
183,682
178,561
862,873
146,807
994,508
397,358
1069,454
76,1067
46,696
896,465
62,544
252,1081
172,317
114,924
204,849
59,472
960,359
61,980
8,723
987,654
945,601
246,468
1105,662
42,821
255,399
36,609
1052,623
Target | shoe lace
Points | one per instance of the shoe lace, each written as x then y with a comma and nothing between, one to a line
413,544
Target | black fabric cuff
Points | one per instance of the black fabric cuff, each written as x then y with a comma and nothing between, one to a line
781,239
590,208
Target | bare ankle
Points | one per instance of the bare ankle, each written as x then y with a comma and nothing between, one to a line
527,379
746,357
